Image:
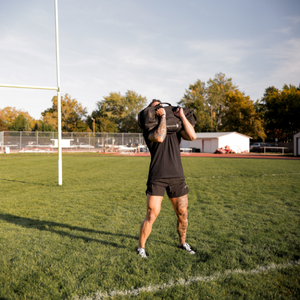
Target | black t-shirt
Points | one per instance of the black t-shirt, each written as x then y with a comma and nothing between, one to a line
165,157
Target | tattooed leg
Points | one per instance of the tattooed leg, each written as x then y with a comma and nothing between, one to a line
180,205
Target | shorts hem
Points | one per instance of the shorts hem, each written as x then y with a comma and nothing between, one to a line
175,187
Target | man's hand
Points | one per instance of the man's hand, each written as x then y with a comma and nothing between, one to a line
179,113
161,111
188,132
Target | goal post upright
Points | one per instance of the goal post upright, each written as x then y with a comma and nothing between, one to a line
58,96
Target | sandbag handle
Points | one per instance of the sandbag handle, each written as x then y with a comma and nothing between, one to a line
160,105
169,104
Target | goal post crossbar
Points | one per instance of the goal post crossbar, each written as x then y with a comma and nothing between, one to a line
29,87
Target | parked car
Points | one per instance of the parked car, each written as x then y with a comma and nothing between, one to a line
259,147
143,148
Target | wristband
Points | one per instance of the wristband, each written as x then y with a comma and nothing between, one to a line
163,115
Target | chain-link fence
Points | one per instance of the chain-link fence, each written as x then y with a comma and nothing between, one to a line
41,141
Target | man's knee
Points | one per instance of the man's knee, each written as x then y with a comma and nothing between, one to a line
182,213
153,207
152,214
180,205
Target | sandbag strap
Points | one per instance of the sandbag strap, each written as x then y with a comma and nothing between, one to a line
160,105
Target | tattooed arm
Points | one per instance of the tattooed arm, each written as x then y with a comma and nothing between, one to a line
158,134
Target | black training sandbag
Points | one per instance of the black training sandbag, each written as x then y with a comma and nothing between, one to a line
148,119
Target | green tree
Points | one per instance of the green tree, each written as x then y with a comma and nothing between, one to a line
194,98
133,104
8,115
72,115
118,113
217,89
239,115
103,119
20,124
42,126
208,101
281,112
3,126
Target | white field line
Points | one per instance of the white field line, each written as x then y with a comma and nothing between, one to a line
155,288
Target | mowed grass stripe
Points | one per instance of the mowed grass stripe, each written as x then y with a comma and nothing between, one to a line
185,282
57,242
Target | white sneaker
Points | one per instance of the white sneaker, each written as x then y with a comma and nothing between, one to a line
141,252
187,248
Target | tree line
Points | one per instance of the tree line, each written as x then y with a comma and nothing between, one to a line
218,105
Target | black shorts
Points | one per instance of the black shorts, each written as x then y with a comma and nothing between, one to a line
176,187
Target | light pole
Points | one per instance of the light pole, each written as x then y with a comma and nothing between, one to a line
94,131
94,125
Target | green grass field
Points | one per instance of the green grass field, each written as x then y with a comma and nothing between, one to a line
78,240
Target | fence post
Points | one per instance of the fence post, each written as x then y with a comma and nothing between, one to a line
20,140
2,140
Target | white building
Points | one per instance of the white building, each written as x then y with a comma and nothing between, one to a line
297,144
209,142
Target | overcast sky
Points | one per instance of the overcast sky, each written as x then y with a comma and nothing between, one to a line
155,48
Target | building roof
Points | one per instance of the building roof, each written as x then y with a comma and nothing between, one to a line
297,134
216,135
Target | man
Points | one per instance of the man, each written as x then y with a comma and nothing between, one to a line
166,174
